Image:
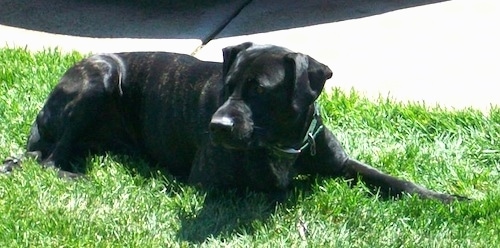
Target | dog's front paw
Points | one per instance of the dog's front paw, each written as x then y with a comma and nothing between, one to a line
445,198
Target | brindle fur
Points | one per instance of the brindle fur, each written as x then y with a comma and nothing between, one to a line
217,124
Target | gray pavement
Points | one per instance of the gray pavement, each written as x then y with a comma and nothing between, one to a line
436,52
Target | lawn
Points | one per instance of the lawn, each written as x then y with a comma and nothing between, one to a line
126,203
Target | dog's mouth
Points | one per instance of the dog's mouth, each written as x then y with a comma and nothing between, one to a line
231,144
251,139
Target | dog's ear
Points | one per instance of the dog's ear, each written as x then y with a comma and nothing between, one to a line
309,79
229,55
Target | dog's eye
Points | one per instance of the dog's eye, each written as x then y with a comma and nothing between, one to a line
256,87
259,89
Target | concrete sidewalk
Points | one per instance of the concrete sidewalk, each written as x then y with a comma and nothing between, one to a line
437,52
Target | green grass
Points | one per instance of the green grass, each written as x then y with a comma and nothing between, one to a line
124,203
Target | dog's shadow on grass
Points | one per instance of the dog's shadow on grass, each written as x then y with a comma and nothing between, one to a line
224,213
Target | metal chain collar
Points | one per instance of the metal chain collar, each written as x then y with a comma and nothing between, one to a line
309,140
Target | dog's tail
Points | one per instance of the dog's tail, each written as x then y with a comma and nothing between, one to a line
119,70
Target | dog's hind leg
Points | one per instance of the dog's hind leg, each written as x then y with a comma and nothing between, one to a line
80,115
14,162
61,153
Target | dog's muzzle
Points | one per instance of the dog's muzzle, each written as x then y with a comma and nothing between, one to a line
231,125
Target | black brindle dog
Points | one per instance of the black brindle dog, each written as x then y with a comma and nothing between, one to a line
250,122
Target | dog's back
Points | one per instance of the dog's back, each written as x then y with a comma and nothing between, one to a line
140,102
170,99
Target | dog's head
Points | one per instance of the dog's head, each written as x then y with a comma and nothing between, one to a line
269,93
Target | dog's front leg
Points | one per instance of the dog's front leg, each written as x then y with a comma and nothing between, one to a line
391,186
212,167
330,159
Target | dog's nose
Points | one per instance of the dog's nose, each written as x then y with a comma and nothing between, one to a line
222,125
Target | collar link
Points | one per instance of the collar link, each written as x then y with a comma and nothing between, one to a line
309,140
